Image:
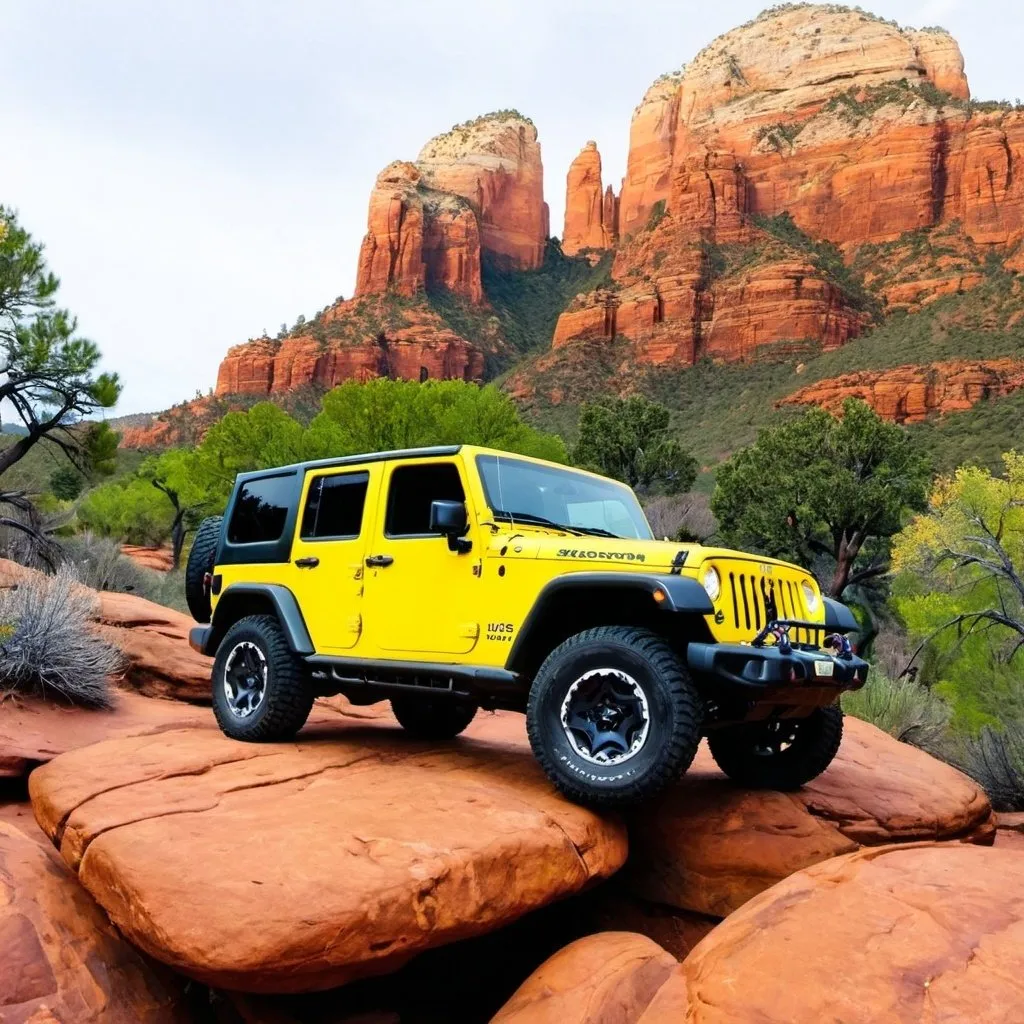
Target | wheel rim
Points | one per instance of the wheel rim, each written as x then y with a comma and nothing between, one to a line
605,716
775,738
245,679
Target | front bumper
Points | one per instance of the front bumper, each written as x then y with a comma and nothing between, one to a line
198,637
765,673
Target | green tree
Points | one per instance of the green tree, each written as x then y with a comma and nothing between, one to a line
176,475
66,483
259,438
49,375
960,588
629,439
129,510
822,485
391,414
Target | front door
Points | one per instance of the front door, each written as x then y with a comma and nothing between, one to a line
327,554
420,596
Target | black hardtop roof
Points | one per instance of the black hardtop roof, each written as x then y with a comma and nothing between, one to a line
349,460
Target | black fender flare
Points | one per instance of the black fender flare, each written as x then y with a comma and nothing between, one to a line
281,600
678,594
838,617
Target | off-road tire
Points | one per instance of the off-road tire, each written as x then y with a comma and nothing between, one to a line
432,718
674,705
287,698
200,562
815,745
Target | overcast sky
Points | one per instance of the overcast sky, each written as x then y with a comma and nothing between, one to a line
200,170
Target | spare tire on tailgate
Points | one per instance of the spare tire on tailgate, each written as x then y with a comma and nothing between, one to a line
199,566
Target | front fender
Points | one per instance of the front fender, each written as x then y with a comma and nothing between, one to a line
667,593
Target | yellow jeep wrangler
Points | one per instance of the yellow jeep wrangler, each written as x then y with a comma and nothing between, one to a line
454,578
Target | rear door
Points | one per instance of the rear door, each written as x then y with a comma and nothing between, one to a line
328,550
421,598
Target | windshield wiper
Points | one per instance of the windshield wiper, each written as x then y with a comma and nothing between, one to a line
529,519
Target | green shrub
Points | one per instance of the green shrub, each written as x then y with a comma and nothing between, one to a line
903,708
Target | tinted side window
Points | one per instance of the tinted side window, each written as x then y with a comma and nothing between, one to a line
412,490
334,507
261,509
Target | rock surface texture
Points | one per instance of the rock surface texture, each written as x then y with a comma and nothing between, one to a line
908,394
60,959
601,979
919,933
708,846
367,848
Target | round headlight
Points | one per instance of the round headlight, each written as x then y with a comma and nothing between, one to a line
811,601
712,582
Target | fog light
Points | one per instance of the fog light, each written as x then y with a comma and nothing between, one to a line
811,600
712,583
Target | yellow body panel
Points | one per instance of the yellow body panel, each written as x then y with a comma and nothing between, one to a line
434,604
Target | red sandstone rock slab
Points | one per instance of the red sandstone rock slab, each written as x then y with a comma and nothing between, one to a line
34,731
160,559
601,979
709,846
929,932
297,867
60,958
154,641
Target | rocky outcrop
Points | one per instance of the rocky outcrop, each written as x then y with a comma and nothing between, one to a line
493,163
767,94
372,847
375,336
34,731
603,978
909,394
418,237
154,642
62,959
590,213
709,847
923,932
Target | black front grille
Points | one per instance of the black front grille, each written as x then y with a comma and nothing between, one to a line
751,597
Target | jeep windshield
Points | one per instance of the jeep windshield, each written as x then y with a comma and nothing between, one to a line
530,494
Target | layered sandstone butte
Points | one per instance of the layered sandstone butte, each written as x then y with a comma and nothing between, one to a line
494,164
591,215
740,167
474,192
908,394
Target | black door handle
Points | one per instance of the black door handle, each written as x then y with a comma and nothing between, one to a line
379,561
307,563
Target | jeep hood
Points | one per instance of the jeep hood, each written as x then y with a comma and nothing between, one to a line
603,553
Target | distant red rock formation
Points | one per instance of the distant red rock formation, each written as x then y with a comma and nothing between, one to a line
591,216
907,394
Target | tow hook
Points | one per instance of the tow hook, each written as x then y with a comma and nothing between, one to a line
841,645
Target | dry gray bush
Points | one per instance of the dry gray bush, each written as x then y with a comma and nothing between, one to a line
99,564
995,760
47,645
903,708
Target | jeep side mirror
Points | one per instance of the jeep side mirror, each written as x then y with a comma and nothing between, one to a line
449,519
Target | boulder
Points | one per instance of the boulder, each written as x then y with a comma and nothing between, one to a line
297,867
154,641
62,961
926,932
709,846
608,978
34,731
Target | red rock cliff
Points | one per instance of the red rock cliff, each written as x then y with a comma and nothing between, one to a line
907,394
494,164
